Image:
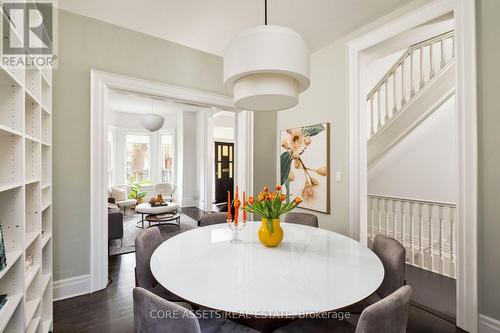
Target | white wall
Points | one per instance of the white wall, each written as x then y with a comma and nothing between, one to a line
325,101
189,177
424,164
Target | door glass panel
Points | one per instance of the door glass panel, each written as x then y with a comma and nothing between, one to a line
230,170
224,150
219,157
230,153
219,170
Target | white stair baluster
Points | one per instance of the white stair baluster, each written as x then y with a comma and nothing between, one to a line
403,99
452,245
441,260
431,62
402,211
379,110
412,90
386,208
386,92
395,107
372,120
421,68
420,251
431,255
443,61
393,219
412,252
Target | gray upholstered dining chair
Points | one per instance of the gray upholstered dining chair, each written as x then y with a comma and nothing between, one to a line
393,257
389,315
301,218
213,218
153,314
145,244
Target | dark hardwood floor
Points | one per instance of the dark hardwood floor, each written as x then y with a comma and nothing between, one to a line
111,310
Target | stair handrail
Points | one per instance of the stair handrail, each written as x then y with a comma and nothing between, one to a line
413,200
405,55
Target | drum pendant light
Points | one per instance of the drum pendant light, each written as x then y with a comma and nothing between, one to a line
267,66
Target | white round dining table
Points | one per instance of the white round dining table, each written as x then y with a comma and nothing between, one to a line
312,271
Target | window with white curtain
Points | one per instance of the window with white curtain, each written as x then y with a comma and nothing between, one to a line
167,158
138,157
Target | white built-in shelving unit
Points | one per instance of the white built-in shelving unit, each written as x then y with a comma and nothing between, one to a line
26,197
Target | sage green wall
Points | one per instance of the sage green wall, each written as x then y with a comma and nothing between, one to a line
264,160
488,83
86,44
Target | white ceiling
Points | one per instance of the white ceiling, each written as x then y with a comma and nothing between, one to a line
209,25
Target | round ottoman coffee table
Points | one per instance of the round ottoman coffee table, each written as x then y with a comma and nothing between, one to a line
146,209
166,218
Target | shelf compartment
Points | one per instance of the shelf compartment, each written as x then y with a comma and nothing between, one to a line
8,310
32,159
33,84
11,218
47,258
47,76
46,197
47,300
30,309
32,120
11,150
30,238
33,326
31,274
9,186
11,107
46,166
46,96
33,222
47,222
46,325
45,238
11,258
45,281
46,128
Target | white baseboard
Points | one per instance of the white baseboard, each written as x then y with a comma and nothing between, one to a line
488,324
71,287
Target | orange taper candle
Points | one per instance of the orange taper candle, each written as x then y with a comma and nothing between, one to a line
244,206
228,206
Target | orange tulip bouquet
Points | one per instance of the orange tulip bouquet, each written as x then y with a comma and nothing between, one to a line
270,206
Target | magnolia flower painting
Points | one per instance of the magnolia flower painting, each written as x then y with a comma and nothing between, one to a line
304,165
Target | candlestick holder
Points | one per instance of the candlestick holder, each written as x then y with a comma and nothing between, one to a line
235,228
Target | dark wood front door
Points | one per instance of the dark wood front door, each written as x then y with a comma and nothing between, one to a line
224,170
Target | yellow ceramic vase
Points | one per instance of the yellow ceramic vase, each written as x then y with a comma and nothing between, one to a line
266,237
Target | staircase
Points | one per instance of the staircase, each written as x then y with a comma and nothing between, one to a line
415,86
418,83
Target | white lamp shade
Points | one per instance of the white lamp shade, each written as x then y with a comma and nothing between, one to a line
267,66
152,122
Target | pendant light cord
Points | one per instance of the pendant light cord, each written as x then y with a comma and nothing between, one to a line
265,12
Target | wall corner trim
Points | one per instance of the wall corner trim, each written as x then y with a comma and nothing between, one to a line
488,324
71,287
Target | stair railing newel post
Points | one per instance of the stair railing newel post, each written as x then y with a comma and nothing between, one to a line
410,211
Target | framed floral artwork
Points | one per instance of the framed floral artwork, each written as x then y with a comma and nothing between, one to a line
305,165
